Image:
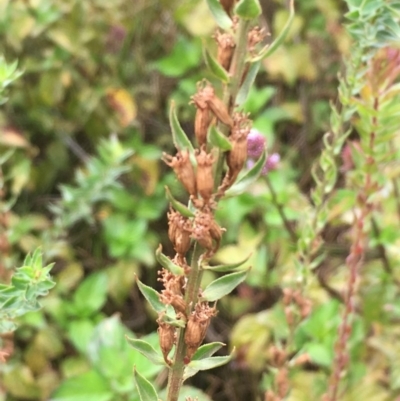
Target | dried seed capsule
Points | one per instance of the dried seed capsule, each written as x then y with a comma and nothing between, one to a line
196,328
201,124
204,177
166,335
206,98
220,110
226,47
183,169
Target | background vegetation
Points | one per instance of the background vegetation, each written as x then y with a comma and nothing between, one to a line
84,129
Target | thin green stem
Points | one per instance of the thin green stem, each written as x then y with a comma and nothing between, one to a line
175,378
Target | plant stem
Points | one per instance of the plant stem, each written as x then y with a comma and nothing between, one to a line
175,378
279,207
231,90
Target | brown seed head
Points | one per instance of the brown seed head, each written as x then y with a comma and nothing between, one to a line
238,155
179,231
202,122
204,177
226,46
205,98
166,335
183,169
196,327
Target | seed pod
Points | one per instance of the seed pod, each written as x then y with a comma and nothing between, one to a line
196,327
216,234
220,110
226,47
173,221
183,169
204,177
201,124
166,335
238,155
227,5
182,241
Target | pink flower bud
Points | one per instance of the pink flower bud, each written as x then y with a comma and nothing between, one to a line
255,144
271,163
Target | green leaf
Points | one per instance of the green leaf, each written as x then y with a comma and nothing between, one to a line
180,207
221,17
205,364
145,389
227,267
219,140
248,9
91,294
215,67
223,286
89,386
147,350
248,83
207,350
269,49
247,179
181,141
152,297
166,262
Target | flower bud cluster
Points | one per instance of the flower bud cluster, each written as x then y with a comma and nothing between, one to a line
256,145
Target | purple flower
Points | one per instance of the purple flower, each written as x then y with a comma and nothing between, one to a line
271,163
255,144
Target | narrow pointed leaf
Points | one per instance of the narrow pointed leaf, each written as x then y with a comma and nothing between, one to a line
269,49
147,350
248,83
205,364
227,267
218,139
207,350
180,207
247,179
215,67
145,389
221,17
166,262
248,9
152,297
223,286
181,141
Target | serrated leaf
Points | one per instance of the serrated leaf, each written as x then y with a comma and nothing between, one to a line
166,262
217,139
271,48
247,179
215,67
207,350
248,83
147,350
145,389
227,267
179,137
221,17
152,297
248,9
223,286
180,207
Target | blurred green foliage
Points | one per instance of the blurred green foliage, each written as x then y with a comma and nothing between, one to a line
86,125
